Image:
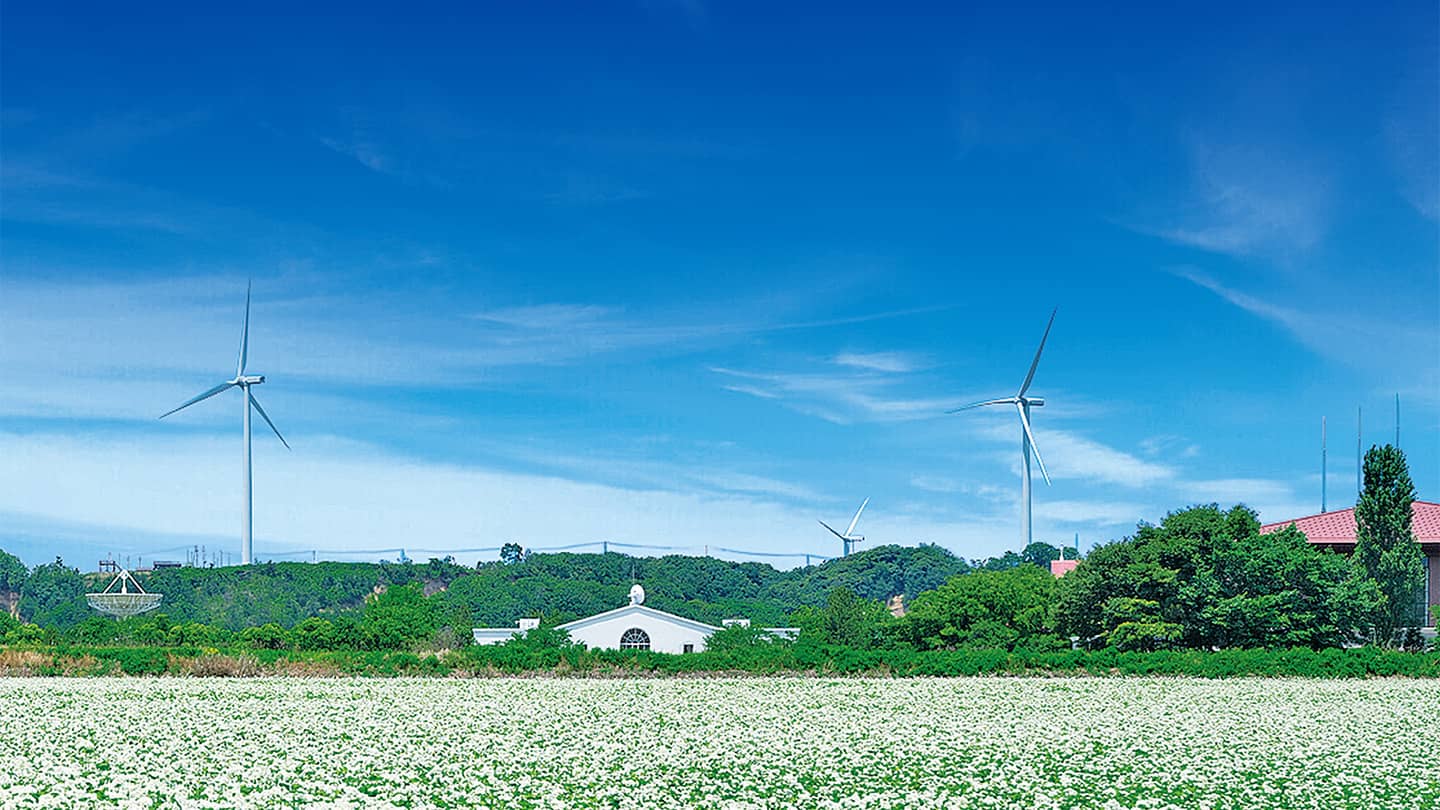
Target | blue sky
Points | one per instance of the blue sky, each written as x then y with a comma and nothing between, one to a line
692,273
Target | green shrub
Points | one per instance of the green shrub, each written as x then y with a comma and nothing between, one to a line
269,636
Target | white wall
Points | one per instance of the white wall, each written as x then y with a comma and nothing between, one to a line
664,636
494,635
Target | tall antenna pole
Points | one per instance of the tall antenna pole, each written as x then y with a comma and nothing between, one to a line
1324,479
1397,421
1359,464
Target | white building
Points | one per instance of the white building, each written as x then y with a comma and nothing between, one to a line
632,627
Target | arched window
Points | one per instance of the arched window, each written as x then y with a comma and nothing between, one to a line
634,639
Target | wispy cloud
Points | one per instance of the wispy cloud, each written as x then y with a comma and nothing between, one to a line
1169,444
362,151
1090,512
889,362
1403,349
1248,200
840,398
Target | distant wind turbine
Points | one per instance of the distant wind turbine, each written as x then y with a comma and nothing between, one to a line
849,538
243,382
1023,404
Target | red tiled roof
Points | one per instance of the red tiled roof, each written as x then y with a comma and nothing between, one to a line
1062,567
1339,526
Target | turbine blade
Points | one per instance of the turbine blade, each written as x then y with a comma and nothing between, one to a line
1036,362
255,402
244,335
850,531
832,531
212,392
1004,401
1030,436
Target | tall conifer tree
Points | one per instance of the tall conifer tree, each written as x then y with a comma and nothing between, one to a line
1385,547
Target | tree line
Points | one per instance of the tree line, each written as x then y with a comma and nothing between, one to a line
1203,578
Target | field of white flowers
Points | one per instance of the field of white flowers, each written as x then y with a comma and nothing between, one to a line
961,742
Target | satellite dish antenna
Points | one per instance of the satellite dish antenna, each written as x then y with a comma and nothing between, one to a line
637,594
124,602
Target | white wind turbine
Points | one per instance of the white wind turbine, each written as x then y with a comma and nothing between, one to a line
849,538
1023,404
243,382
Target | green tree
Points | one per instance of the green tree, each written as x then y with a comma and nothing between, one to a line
511,553
54,596
1385,547
268,636
398,617
1040,554
12,573
846,620
315,633
984,609
1207,578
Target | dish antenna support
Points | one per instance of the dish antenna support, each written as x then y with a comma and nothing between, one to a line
244,382
849,538
1023,403
124,602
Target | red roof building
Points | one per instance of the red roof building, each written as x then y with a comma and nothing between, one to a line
1336,530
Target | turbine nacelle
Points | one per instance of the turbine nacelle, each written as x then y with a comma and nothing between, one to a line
248,379
1034,402
848,537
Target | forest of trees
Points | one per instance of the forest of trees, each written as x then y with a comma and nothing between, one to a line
1203,578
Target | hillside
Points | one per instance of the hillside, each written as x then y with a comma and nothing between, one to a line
563,586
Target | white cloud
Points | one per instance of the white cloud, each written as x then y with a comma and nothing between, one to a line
1070,455
888,362
936,483
1090,513
344,495
841,398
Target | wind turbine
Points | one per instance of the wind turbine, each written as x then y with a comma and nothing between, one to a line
242,381
1023,404
849,538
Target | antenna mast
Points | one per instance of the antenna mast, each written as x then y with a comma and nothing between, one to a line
1323,478
1397,421
1359,465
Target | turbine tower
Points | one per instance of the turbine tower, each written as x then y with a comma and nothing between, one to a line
1023,404
849,538
242,381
